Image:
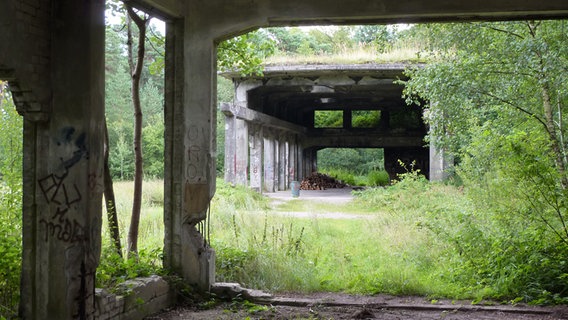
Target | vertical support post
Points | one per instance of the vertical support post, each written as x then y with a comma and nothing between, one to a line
256,154
190,150
230,148
63,172
440,164
300,160
347,119
241,152
199,120
269,164
282,163
293,160
173,149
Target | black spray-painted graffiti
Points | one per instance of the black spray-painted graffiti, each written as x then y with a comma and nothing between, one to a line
63,228
57,190
196,157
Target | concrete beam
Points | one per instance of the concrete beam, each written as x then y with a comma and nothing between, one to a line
367,141
162,9
261,118
227,18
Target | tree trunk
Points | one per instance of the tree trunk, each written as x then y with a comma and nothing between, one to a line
549,112
110,199
138,160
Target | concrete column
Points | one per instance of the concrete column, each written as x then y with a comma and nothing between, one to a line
347,119
230,149
241,152
63,171
310,161
300,160
293,161
256,142
440,164
269,164
282,164
190,139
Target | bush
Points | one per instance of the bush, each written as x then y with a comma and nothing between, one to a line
113,269
343,175
378,178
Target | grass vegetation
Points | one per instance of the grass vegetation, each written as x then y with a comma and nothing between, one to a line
390,252
359,54
416,238
373,178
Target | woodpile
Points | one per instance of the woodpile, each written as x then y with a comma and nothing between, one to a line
318,181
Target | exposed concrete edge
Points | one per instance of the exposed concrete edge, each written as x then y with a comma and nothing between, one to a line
229,290
389,70
261,118
234,290
295,302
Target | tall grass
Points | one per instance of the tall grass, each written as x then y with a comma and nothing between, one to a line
359,54
388,252
114,269
415,238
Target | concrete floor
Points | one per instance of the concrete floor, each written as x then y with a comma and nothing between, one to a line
338,196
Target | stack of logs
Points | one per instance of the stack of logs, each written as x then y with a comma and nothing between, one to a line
318,181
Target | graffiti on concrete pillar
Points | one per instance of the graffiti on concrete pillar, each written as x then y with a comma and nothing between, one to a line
195,155
62,193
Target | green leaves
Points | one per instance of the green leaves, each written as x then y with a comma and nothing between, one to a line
245,53
11,151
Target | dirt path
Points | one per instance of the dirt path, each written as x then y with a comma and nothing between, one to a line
330,196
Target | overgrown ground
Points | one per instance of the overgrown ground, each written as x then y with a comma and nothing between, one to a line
416,238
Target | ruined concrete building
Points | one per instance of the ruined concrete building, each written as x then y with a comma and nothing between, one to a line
52,54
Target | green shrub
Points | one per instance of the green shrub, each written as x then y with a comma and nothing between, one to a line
113,269
378,178
343,175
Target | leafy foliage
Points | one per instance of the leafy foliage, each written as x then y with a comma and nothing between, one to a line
11,151
496,96
356,161
245,53
114,269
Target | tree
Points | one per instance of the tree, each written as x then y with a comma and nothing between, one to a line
377,35
245,53
136,73
496,96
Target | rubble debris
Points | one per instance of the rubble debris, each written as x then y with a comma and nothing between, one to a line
319,181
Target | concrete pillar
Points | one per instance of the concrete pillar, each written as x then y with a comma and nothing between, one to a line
63,171
347,119
241,152
270,164
256,142
440,164
190,114
310,161
282,164
293,160
300,160
230,149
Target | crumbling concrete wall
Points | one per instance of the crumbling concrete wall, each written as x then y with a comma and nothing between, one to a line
52,53
137,298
